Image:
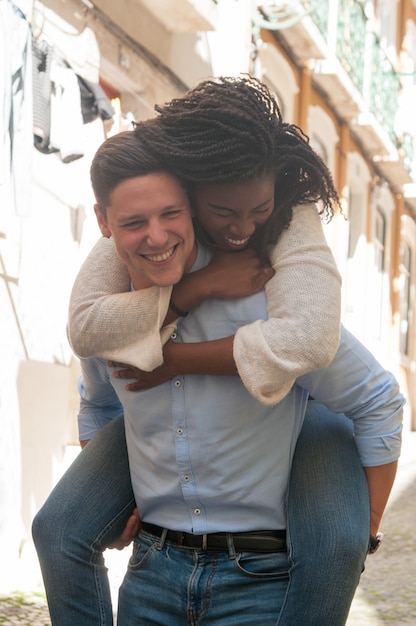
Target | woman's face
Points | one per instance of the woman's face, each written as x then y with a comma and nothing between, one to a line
232,212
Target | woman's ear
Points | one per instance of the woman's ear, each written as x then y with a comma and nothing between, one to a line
105,231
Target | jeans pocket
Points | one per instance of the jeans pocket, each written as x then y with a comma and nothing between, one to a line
142,551
269,565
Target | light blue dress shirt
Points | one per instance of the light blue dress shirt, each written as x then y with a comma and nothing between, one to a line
205,456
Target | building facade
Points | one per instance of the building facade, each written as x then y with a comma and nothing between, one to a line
343,70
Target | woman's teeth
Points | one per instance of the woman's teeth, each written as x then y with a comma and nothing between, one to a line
237,242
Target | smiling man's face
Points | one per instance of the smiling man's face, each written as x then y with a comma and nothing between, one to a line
149,218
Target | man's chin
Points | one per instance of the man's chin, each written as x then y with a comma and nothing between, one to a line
171,278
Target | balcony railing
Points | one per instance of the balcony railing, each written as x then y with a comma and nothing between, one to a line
350,40
384,88
345,30
320,12
406,145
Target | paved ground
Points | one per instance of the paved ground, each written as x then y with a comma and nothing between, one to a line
387,590
386,594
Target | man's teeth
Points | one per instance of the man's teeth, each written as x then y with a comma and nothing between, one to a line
237,242
157,258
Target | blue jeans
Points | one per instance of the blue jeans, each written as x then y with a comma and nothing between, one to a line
328,527
82,516
328,522
170,586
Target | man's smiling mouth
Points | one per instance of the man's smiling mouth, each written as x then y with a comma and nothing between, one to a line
162,256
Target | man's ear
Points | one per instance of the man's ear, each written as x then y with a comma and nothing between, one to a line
105,231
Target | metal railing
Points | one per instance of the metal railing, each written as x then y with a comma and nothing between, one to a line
345,28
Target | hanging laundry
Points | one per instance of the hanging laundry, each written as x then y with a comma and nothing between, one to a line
94,101
67,126
16,117
42,89
58,122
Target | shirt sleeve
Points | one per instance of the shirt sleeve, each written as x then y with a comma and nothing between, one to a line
358,386
106,319
304,309
99,403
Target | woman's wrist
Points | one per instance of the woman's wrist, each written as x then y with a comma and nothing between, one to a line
189,293
173,307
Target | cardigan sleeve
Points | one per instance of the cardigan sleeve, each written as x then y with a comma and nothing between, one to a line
304,308
301,334
108,320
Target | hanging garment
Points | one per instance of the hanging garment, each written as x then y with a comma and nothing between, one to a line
16,121
94,101
42,89
67,126
58,123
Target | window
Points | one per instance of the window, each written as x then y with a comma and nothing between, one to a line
323,135
379,241
387,17
405,290
319,147
275,70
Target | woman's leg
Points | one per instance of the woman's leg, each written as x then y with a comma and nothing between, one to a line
328,522
84,514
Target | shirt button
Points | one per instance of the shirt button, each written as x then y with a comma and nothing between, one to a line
173,336
197,511
186,479
177,383
179,431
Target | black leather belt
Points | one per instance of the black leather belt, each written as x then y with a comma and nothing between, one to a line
259,541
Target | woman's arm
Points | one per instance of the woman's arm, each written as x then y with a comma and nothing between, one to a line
304,306
105,322
133,326
303,330
301,334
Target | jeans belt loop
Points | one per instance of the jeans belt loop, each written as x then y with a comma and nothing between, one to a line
231,547
161,543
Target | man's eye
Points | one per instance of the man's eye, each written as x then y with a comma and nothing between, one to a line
133,225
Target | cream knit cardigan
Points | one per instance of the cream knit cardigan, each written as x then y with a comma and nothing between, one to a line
302,333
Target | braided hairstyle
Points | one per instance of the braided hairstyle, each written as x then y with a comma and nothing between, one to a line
228,130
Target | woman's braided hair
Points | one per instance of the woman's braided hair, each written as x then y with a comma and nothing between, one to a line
229,130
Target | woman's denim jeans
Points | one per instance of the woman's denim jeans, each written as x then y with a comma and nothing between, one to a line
328,531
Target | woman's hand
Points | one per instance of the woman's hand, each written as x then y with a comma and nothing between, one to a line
143,380
211,358
131,530
227,275
235,274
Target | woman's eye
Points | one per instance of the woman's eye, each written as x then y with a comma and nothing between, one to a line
266,209
223,213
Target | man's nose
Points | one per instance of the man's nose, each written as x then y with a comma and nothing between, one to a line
156,234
